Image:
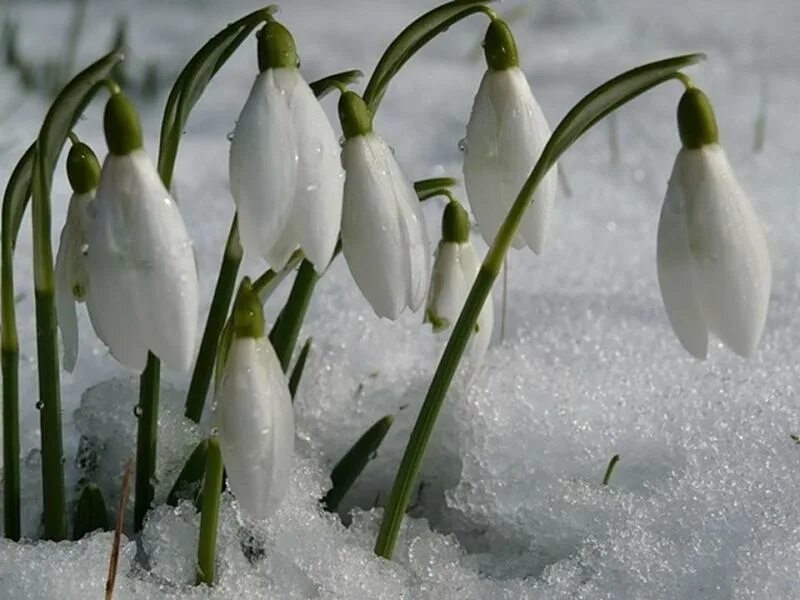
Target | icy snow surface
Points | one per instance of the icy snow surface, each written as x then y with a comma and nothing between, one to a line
703,503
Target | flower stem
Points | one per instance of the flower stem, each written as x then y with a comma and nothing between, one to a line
287,326
146,439
204,366
55,524
209,516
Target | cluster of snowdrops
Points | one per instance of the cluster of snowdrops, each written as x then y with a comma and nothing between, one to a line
302,195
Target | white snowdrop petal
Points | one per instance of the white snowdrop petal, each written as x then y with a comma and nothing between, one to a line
263,161
145,294
373,241
70,274
675,276
415,236
65,308
112,299
728,248
479,343
317,211
505,136
256,426
448,287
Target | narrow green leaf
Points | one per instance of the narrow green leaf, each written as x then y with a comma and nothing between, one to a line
299,366
423,187
224,348
286,328
269,280
209,514
187,485
412,39
610,469
321,87
91,512
17,194
193,80
351,465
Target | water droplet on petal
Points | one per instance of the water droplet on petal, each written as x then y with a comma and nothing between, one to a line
39,405
230,135
462,144
137,411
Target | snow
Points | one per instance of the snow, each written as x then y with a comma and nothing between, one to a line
703,501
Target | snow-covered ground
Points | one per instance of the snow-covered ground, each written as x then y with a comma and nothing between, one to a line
703,503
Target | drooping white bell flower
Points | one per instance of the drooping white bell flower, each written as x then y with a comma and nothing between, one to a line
71,275
285,169
143,293
454,271
506,133
384,239
254,414
713,262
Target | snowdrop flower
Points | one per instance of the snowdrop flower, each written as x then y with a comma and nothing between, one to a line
454,271
285,170
713,263
255,417
143,279
71,276
506,133
384,239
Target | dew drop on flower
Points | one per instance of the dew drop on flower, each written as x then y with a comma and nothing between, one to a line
230,136
137,411
39,405
462,144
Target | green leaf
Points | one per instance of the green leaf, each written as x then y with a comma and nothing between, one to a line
17,194
412,39
91,512
193,81
321,87
187,485
351,465
299,366
425,187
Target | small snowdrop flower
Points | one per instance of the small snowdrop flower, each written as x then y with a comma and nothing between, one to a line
713,263
506,133
254,416
143,278
285,169
454,271
71,276
384,238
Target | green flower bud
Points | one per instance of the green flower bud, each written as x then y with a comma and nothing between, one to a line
248,314
276,48
696,122
455,223
499,46
83,169
354,115
122,127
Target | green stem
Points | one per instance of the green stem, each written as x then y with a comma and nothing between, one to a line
11,475
55,522
146,439
53,492
204,367
287,326
209,516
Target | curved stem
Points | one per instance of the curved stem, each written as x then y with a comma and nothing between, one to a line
287,326
146,439
217,313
